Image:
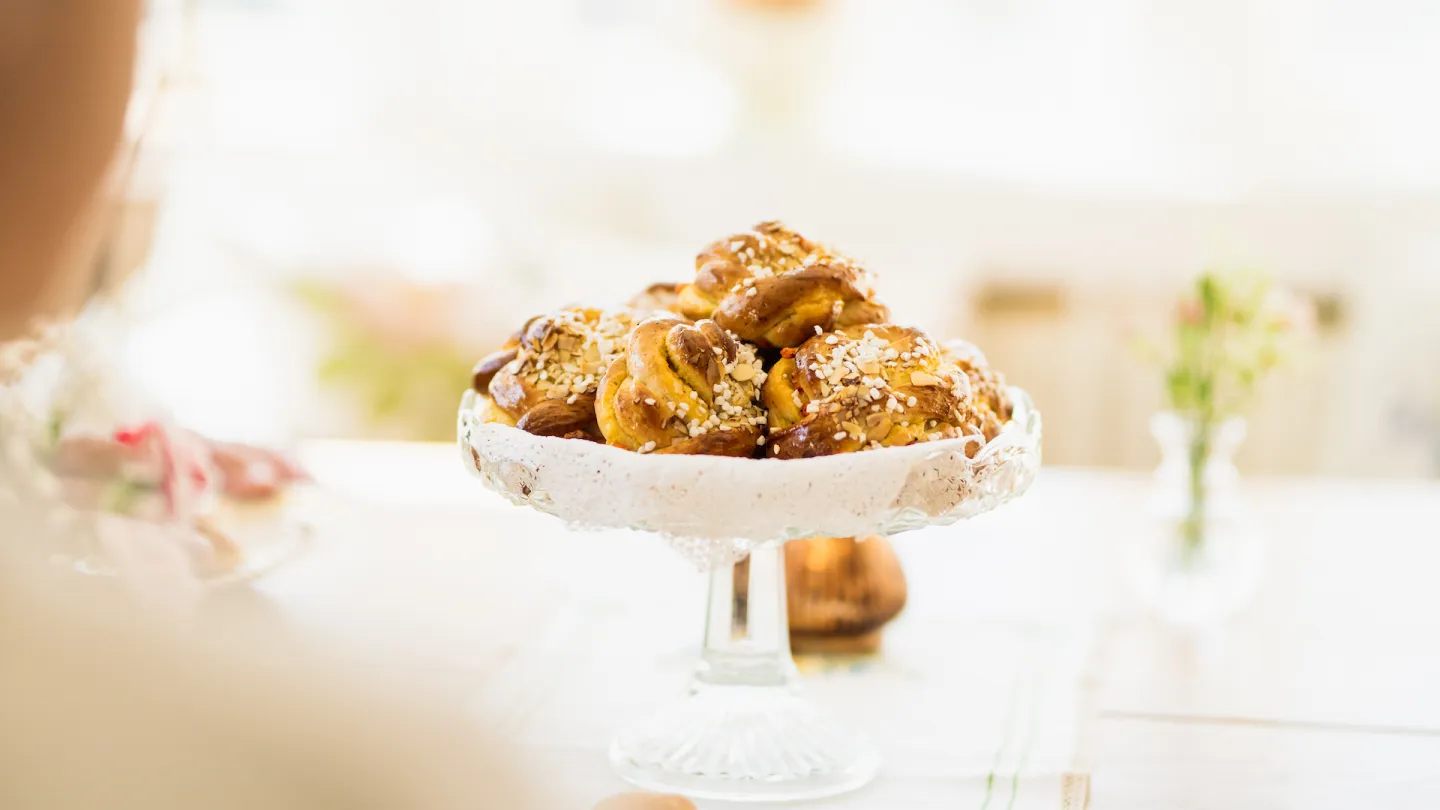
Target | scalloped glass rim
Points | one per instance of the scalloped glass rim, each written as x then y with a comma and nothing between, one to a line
265,550
595,486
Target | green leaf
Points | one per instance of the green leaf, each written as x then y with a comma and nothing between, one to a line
125,495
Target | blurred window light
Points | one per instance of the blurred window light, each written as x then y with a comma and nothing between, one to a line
281,79
1120,97
212,364
641,95
1050,95
1353,94
439,240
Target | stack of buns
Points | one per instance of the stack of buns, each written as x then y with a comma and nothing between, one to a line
778,348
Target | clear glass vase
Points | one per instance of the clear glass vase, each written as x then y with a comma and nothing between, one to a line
1206,559
744,732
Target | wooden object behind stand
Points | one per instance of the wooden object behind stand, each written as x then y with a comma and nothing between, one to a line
840,592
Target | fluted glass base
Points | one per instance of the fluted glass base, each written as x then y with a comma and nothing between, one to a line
744,743
745,732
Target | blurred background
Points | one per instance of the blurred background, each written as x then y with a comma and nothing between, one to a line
329,209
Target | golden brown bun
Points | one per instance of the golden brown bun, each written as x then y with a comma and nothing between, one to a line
645,801
682,388
987,385
544,380
658,298
490,365
872,386
773,287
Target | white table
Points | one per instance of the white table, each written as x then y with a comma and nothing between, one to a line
1021,639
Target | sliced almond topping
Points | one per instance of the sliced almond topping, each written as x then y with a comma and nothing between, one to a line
880,431
743,372
922,379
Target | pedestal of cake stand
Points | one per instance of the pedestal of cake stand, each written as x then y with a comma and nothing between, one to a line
745,731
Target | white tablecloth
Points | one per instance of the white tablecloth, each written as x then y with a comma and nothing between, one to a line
555,639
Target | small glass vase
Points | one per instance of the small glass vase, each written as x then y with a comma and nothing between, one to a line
1207,559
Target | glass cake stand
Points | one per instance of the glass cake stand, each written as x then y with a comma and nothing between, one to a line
744,731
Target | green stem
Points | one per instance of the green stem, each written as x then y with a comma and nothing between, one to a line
1192,528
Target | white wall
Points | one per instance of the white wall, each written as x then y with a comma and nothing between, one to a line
1105,150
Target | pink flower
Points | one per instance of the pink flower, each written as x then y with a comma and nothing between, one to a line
1190,312
180,462
136,437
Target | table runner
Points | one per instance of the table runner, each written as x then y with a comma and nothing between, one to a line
982,715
